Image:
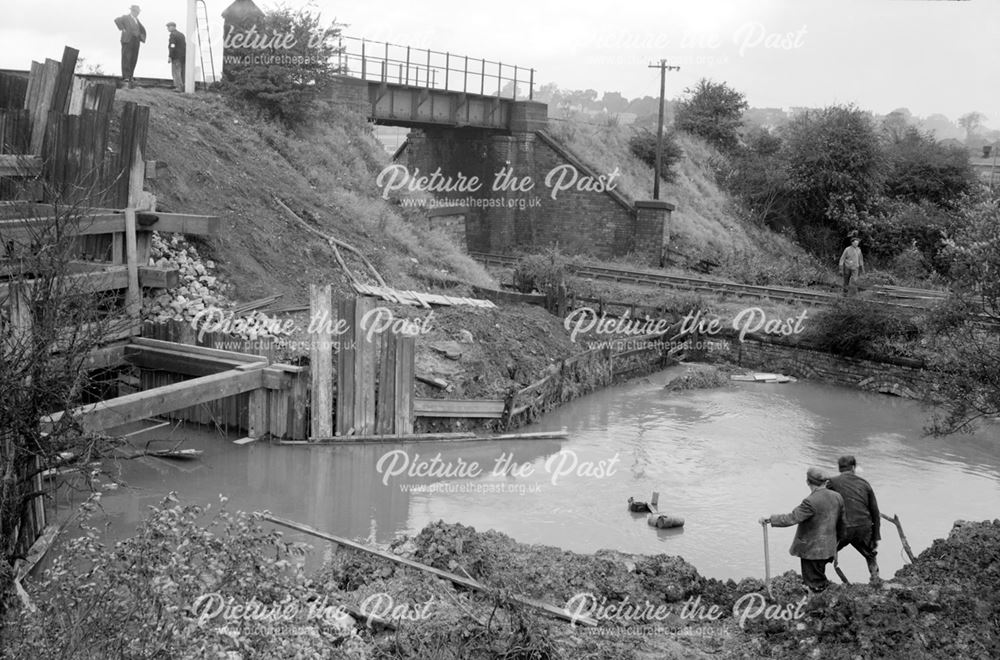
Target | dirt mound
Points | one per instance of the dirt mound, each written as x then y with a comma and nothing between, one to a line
944,605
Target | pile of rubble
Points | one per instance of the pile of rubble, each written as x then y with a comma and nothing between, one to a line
199,288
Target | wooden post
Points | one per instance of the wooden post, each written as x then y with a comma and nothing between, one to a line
133,299
297,429
406,350
385,410
257,419
345,369
321,360
366,350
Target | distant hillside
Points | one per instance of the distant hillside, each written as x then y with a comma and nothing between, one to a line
221,162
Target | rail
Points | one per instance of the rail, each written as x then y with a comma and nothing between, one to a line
385,62
895,296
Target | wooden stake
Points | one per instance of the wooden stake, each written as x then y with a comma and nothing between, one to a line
469,583
902,537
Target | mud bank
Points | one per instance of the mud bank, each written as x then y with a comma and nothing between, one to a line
945,604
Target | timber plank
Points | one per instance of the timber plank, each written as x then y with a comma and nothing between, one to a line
473,408
140,405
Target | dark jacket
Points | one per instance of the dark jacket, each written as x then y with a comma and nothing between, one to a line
859,502
177,47
132,29
820,518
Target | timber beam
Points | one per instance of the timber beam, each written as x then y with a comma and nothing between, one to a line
91,222
105,278
98,417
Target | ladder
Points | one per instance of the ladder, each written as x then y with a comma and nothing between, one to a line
204,38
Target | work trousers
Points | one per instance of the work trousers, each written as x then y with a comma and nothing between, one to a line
814,573
130,55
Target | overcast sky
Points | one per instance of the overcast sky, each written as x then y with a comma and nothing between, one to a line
931,56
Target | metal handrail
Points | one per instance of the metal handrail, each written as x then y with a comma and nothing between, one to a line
421,67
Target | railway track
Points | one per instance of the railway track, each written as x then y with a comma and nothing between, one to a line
896,296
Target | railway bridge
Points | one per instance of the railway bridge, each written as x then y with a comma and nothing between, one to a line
479,144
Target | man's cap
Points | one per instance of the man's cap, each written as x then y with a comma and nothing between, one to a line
815,476
171,24
846,462
135,7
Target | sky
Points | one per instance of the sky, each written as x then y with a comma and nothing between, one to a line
930,56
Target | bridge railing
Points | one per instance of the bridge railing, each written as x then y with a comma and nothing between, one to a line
420,67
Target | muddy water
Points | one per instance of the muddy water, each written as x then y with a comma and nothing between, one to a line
719,458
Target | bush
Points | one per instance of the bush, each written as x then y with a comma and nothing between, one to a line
859,328
286,83
137,599
643,145
541,272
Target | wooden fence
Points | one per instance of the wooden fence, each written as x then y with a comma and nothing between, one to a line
374,377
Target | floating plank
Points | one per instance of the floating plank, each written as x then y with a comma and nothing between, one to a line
551,610
134,407
245,441
430,437
472,408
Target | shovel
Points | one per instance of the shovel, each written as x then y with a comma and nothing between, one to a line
836,567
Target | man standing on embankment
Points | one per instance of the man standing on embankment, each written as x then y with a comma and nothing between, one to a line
820,520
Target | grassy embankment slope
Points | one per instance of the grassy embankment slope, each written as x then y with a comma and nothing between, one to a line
705,223
223,162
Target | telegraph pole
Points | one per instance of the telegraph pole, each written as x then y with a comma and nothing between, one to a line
663,67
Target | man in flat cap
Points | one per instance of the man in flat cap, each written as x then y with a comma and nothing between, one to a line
863,525
133,34
820,520
176,53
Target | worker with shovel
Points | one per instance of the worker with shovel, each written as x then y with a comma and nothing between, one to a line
820,520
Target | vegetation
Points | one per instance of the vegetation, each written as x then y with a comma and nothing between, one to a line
288,71
967,352
714,112
140,599
50,326
643,146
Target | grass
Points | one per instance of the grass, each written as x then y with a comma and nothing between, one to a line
222,161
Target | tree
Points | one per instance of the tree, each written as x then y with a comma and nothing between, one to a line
643,146
971,122
836,169
290,68
714,111
757,174
922,169
967,352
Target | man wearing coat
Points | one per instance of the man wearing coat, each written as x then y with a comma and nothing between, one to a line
133,34
176,54
863,521
820,520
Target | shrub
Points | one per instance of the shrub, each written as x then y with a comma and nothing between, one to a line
857,328
643,145
541,272
137,599
288,80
